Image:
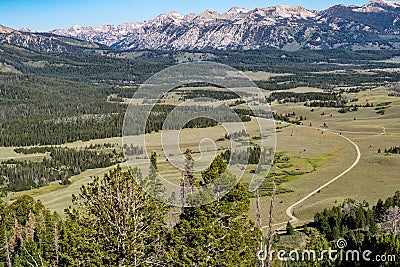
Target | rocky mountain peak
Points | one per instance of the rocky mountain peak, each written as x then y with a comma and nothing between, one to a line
376,6
237,10
4,29
379,6
281,26
286,11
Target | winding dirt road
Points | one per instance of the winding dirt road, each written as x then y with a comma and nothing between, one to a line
289,210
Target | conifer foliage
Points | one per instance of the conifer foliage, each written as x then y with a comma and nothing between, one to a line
29,234
113,222
215,234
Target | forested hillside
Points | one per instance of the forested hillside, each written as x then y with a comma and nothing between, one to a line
113,222
60,166
72,111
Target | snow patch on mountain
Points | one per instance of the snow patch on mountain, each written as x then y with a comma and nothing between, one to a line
240,28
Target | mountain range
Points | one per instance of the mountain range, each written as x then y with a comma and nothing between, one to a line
375,25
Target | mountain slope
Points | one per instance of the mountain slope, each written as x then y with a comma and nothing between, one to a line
376,25
44,42
4,29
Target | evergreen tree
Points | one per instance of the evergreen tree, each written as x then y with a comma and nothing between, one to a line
113,222
188,168
289,228
316,243
25,233
187,181
157,189
215,234
305,229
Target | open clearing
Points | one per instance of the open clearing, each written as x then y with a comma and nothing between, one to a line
295,90
262,75
372,178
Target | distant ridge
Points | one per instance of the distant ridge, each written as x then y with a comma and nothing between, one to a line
44,42
4,29
376,25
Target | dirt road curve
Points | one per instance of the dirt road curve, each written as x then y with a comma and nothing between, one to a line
289,210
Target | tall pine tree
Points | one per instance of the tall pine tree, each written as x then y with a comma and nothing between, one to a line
113,222
219,233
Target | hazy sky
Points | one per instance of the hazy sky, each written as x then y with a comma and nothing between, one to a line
45,15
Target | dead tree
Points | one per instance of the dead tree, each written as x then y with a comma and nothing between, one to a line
259,224
271,232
